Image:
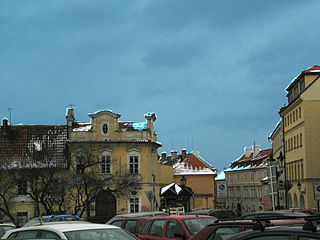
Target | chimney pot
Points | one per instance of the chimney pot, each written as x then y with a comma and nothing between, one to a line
183,153
5,122
248,152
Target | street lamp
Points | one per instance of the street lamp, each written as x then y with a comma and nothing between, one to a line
282,166
183,180
299,188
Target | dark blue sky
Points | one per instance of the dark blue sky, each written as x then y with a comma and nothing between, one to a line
214,72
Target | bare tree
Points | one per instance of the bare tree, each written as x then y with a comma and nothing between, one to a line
7,193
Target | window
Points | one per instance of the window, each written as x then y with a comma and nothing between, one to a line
299,112
245,176
253,193
259,175
271,237
105,129
134,204
173,227
245,193
105,163
238,176
300,139
49,235
231,189
157,228
134,164
302,85
259,192
238,192
132,226
117,223
224,232
252,175
145,227
27,234
296,91
22,188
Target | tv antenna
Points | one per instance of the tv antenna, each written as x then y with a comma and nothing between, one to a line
71,105
10,110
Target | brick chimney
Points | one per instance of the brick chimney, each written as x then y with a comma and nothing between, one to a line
196,153
163,156
183,153
5,122
70,117
248,152
256,151
151,117
173,155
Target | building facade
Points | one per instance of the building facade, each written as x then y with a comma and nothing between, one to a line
301,117
276,139
129,147
198,175
244,180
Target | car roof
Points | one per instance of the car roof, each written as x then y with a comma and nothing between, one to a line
181,217
273,230
67,226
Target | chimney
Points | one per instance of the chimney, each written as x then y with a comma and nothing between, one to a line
196,153
5,122
183,153
173,155
163,156
256,151
151,117
248,152
70,117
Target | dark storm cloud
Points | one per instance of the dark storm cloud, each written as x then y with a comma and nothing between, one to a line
213,71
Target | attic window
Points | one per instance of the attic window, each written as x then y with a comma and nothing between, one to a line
105,128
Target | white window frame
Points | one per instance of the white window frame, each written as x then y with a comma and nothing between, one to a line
131,154
135,197
105,153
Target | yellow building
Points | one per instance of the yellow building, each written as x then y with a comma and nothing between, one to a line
301,119
123,146
198,174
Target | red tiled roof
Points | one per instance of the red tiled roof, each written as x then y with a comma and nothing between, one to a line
194,162
243,160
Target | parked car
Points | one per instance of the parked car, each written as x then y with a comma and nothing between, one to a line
294,210
271,214
70,231
223,229
51,218
131,224
181,227
6,226
279,233
217,213
137,215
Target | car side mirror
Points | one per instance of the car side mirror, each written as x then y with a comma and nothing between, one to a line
180,235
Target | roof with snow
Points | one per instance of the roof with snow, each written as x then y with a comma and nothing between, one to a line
193,164
175,189
313,70
251,162
220,176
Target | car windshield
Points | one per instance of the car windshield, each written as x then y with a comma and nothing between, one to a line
194,225
100,234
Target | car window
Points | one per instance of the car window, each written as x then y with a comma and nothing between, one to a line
222,233
131,226
93,234
48,235
173,227
157,228
145,228
194,225
117,223
27,234
4,229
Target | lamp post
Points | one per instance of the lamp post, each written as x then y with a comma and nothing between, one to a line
299,188
282,165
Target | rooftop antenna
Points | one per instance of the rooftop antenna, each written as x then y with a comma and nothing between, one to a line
10,110
71,105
